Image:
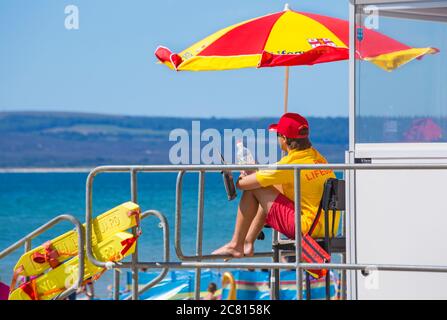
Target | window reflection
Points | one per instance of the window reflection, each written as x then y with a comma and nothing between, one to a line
408,104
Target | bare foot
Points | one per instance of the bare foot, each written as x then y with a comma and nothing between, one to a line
221,248
229,250
249,249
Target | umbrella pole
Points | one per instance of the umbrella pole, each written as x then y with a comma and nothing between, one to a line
286,90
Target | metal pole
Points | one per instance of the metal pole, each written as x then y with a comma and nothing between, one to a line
178,215
116,284
27,248
274,274
281,265
219,168
134,198
199,232
327,278
298,249
351,277
286,90
165,226
343,255
42,229
343,279
27,245
178,229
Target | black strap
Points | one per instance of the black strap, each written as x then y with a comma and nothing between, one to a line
327,188
334,216
317,216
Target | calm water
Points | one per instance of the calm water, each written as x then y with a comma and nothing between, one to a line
30,200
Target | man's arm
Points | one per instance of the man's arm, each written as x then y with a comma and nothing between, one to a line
248,182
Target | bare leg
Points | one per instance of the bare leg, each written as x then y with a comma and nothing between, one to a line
265,197
247,212
253,232
248,206
255,228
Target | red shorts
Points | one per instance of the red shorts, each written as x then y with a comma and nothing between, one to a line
281,216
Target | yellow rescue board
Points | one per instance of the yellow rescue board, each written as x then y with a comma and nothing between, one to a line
54,282
104,226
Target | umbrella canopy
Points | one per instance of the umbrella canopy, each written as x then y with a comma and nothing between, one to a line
288,38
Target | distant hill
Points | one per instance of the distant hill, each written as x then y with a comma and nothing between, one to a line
62,139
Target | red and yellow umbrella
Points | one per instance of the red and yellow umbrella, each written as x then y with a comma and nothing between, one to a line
288,38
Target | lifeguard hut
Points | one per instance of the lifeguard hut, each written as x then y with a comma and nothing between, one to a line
398,217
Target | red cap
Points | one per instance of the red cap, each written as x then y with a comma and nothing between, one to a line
290,125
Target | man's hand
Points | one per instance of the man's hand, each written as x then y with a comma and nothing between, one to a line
247,181
247,172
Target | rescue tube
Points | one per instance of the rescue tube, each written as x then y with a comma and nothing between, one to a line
56,281
228,278
54,252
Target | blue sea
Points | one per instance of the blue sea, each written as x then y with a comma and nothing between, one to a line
28,200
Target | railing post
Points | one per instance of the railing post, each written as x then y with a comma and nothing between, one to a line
116,284
298,249
27,248
343,279
343,272
274,274
27,245
178,215
134,198
199,239
165,226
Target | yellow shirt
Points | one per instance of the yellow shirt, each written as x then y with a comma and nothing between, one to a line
312,182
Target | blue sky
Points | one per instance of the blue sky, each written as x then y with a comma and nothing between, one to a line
107,66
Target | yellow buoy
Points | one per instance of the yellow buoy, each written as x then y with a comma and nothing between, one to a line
65,246
55,281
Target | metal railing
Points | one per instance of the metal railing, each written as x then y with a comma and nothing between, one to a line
198,261
26,242
165,226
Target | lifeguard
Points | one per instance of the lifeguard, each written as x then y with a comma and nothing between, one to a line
268,195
